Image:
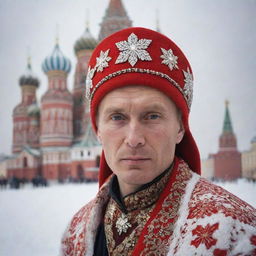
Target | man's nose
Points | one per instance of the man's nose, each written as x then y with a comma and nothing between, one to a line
135,136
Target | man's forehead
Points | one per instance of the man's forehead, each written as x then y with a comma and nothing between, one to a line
134,92
145,97
131,88
123,106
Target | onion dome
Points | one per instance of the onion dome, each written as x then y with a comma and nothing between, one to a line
33,109
56,61
85,42
29,78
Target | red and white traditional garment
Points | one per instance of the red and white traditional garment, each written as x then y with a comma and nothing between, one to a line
191,217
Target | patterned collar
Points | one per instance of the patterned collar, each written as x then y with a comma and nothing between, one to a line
144,197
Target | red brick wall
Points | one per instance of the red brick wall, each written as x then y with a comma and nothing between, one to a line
84,164
18,173
92,175
30,173
56,171
227,165
27,173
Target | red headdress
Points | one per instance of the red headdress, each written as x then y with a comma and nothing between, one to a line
144,57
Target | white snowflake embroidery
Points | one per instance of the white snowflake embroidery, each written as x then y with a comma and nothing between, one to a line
133,49
88,82
188,88
169,59
102,61
122,224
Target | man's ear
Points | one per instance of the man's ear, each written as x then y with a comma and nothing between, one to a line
180,133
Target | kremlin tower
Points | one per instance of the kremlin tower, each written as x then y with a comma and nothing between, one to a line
26,114
227,162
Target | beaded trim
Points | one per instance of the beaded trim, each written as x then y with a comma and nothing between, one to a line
139,70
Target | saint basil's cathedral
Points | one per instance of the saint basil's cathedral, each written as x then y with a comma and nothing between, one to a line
56,140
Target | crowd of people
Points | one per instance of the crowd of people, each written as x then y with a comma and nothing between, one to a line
16,183
38,181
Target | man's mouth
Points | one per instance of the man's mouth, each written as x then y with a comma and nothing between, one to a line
135,159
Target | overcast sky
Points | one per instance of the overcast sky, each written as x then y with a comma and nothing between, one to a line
218,37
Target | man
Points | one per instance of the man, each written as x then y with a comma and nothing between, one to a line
151,199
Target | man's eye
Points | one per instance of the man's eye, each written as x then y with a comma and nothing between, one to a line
117,117
152,116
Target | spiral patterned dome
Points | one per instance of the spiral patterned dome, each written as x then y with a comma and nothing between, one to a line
56,61
85,42
29,78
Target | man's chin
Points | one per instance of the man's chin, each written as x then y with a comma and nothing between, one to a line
135,174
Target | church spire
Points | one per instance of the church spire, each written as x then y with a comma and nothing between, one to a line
157,21
114,20
227,125
227,138
57,35
116,8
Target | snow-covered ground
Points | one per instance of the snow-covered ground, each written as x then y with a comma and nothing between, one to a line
33,220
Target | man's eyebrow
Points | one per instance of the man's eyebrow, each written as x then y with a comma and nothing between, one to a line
154,107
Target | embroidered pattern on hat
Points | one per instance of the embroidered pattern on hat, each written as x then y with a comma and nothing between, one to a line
188,88
88,82
102,60
136,70
101,63
169,59
133,50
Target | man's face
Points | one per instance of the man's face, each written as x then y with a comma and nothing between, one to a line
139,128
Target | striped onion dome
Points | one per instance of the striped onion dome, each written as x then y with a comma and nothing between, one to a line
29,78
85,42
56,61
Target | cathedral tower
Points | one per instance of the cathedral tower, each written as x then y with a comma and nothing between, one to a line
83,49
227,162
115,19
25,125
57,102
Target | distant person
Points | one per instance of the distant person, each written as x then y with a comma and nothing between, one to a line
151,200
3,182
14,182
